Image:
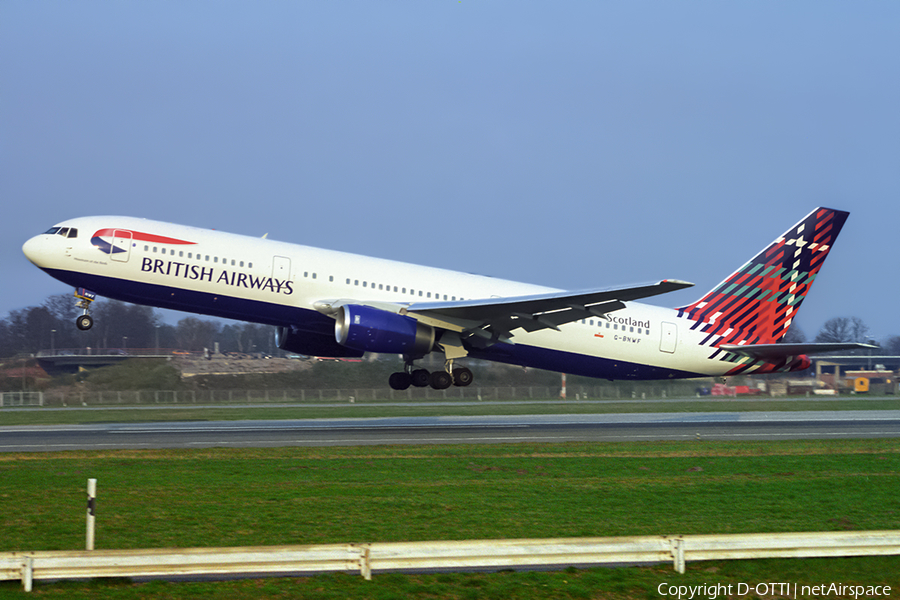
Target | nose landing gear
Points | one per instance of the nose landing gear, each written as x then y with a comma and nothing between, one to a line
84,321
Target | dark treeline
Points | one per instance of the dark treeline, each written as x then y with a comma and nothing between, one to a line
121,325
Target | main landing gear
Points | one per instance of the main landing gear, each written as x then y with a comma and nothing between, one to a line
439,380
84,321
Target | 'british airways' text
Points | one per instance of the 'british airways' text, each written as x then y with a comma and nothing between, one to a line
232,278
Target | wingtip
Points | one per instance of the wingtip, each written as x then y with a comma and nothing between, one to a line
678,282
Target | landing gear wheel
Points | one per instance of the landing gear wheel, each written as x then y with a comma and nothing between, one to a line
441,380
462,377
420,377
400,381
84,322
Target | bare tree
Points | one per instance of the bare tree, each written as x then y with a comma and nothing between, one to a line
195,334
843,329
892,345
794,335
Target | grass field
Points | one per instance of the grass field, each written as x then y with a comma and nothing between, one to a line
229,497
313,410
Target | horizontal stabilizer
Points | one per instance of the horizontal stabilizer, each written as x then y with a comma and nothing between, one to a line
776,351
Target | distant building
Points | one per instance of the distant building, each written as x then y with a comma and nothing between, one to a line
842,373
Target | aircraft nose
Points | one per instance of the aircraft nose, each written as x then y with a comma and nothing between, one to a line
34,249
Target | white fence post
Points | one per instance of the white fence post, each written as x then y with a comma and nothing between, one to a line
678,551
28,574
365,562
91,505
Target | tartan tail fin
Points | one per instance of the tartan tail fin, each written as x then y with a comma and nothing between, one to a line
758,302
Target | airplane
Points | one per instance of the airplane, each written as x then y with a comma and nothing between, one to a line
334,304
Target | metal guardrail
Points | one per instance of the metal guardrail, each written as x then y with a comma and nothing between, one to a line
366,558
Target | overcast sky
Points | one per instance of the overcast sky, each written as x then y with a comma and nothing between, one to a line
574,144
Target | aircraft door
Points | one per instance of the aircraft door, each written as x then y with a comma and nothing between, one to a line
121,245
281,268
669,337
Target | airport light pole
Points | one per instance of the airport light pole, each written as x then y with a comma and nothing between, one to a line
53,342
872,342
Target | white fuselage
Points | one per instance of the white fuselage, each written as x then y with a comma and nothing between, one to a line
277,283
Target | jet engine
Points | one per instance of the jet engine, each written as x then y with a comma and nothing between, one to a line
376,330
312,344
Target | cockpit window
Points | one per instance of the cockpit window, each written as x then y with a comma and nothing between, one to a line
63,232
52,230
73,233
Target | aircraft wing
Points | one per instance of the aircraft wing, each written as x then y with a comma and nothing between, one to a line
776,351
492,319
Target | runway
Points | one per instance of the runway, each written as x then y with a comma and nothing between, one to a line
456,430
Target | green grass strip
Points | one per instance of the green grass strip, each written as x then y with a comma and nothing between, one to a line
365,409
248,497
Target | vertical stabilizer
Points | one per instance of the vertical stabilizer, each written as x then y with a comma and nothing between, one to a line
757,303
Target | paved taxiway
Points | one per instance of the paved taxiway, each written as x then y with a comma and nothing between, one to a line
456,430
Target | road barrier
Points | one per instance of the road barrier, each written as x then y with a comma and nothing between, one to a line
365,559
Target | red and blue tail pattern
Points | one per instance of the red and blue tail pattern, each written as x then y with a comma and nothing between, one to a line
757,304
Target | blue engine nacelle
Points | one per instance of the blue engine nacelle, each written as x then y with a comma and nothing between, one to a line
375,330
312,344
